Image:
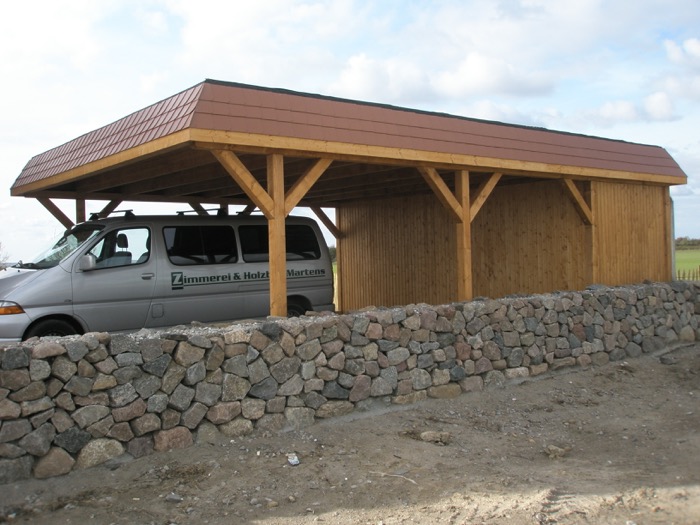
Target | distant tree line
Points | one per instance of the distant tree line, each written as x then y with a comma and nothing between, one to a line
331,249
686,243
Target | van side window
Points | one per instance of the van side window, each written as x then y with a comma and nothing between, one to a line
122,248
191,245
302,243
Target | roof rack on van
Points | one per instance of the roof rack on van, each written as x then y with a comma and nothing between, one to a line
127,214
220,212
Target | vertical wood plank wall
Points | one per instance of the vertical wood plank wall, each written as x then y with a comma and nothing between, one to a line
528,238
395,251
632,236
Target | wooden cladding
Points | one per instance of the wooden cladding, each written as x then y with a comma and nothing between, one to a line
632,239
527,238
395,251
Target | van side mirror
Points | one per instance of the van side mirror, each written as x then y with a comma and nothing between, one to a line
87,263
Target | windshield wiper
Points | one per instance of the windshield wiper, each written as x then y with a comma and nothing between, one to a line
28,266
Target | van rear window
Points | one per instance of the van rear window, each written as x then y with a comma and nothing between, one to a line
191,245
302,243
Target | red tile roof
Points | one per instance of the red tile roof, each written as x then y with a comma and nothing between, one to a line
230,107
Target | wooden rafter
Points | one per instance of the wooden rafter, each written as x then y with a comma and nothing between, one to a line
582,207
482,194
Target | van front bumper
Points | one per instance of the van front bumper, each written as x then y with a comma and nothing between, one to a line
12,327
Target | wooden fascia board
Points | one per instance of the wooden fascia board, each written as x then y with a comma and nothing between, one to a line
257,143
304,183
482,193
56,212
582,207
240,174
149,148
443,193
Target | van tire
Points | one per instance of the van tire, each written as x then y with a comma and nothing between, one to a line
295,309
50,327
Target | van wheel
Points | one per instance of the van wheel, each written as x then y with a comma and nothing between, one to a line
295,309
50,327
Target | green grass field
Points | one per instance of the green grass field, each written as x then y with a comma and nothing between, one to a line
687,259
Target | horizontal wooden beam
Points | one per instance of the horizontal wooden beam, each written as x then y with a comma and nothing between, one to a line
257,143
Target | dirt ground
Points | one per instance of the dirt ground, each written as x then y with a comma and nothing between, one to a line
618,444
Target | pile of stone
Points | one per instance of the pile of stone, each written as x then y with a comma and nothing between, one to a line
79,401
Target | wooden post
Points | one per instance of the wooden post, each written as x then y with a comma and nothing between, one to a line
79,211
465,290
276,239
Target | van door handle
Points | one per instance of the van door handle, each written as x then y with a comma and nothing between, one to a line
147,276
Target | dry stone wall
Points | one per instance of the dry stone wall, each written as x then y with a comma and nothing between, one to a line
75,402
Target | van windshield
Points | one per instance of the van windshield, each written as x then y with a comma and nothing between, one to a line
64,247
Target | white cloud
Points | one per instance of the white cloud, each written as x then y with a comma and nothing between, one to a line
658,106
393,80
479,74
686,53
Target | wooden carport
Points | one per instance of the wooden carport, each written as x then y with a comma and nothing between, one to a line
230,144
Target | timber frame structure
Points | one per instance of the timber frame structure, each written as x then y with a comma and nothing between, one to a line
429,207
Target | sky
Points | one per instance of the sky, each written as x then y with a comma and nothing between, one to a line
610,68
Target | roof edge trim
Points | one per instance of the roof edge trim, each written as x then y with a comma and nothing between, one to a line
167,142
209,139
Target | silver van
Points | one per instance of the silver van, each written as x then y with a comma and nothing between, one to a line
129,272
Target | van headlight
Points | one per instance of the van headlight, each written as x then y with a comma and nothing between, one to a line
9,308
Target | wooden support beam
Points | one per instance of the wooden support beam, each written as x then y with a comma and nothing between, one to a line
327,222
113,205
79,211
304,183
240,174
483,193
56,212
198,208
276,236
465,290
443,193
582,207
